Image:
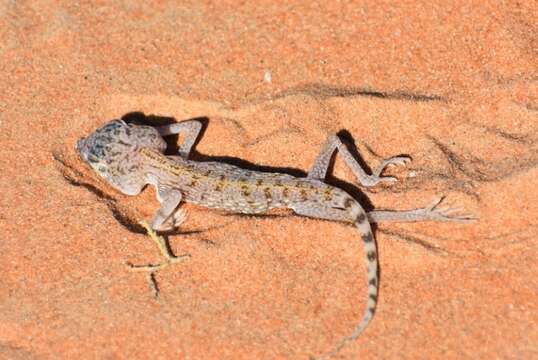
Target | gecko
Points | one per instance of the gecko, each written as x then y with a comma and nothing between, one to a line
130,156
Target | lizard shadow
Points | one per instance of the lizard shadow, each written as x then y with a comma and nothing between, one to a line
172,149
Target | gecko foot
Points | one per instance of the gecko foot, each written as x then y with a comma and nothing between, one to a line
446,213
376,177
169,258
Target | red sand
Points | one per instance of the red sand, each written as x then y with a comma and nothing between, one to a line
455,86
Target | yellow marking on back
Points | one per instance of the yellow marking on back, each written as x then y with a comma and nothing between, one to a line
219,186
328,194
220,181
267,193
245,189
162,162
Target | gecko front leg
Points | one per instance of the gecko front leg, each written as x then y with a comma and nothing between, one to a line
191,129
321,164
169,199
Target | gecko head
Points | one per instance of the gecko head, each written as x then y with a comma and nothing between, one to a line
108,147
104,146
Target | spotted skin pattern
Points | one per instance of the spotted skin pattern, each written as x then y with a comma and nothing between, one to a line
131,156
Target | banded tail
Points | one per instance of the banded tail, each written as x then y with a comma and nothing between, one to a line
370,250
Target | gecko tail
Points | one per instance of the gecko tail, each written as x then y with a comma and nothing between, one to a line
370,250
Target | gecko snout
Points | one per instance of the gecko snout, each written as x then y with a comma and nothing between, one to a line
80,148
79,145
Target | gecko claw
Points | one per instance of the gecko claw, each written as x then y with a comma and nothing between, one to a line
398,160
388,179
446,213
393,161
436,201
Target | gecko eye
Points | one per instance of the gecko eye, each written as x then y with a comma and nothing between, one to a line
89,157
99,168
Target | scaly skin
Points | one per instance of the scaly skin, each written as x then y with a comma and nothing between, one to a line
131,156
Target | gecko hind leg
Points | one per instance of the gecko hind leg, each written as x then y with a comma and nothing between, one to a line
432,212
321,164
